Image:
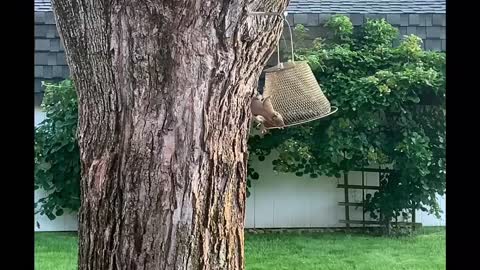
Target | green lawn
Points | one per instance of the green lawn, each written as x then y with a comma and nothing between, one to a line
55,251
308,251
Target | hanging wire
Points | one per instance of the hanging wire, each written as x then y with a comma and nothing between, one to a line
298,97
284,18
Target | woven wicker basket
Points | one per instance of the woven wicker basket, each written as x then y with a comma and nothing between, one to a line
293,89
295,93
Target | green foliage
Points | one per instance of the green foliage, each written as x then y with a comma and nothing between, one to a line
391,113
341,27
376,33
57,157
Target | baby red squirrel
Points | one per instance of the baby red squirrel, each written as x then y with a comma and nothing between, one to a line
265,114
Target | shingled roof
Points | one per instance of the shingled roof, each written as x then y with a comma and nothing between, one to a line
367,6
342,6
424,18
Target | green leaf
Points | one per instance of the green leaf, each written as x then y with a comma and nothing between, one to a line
44,166
59,212
50,215
414,99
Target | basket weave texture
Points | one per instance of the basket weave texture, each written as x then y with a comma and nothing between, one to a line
295,93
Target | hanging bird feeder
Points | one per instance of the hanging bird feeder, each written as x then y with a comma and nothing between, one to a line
294,90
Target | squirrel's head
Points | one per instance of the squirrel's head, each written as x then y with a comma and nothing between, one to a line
277,117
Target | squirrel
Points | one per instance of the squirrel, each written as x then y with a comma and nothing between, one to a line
265,114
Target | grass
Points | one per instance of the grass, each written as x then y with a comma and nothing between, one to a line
425,251
56,251
307,251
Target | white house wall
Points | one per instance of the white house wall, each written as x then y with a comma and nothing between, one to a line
280,200
39,115
64,223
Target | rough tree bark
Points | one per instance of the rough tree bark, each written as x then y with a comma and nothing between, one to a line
164,90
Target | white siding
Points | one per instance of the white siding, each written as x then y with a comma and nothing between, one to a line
280,200
66,222
39,115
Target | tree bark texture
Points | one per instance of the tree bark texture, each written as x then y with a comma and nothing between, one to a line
164,89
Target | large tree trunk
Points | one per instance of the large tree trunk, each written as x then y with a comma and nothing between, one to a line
164,89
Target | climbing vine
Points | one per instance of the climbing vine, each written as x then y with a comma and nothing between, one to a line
57,156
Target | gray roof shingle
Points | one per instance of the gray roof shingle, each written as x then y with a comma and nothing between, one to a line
342,6
367,6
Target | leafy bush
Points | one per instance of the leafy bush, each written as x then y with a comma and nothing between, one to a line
391,113
57,157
